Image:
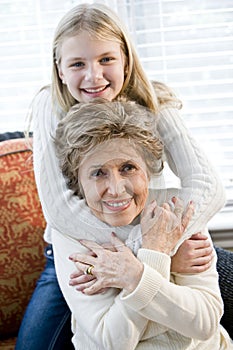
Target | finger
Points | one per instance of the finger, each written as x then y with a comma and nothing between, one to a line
95,288
84,286
199,268
118,245
203,252
148,211
198,236
188,215
178,207
80,280
160,215
157,213
76,274
83,267
82,260
93,246
203,260
166,206
109,246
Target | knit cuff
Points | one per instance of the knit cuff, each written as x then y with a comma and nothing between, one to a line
145,291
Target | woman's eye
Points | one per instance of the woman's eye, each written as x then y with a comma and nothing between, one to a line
97,173
128,168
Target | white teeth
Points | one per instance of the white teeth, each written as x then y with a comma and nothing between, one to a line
95,90
117,204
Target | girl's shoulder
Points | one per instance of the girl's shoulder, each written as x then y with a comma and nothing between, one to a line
166,96
43,93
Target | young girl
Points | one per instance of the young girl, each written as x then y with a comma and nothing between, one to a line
93,56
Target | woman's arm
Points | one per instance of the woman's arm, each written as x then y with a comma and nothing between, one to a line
192,308
101,319
196,302
199,180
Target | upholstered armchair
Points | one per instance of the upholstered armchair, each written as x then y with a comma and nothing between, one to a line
21,237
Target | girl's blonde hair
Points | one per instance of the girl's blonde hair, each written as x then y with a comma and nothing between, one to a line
88,125
101,22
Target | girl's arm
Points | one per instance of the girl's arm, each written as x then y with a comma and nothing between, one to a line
62,210
194,255
199,180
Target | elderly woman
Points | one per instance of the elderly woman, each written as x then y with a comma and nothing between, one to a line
130,300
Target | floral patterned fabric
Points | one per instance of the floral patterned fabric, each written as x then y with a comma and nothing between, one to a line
21,235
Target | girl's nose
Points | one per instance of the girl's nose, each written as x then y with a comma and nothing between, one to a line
93,73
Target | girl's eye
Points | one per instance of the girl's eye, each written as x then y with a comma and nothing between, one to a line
77,64
106,59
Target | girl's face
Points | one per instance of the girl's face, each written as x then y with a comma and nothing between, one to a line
91,67
115,182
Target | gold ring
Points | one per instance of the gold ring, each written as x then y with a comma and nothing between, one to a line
89,270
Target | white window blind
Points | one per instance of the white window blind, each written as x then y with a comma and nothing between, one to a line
184,43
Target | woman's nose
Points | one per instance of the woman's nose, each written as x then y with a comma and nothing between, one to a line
93,72
116,184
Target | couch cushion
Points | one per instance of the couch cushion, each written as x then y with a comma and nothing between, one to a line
21,233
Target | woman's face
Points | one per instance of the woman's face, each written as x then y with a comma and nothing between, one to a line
115,183
91,68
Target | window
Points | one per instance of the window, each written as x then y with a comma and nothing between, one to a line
184,43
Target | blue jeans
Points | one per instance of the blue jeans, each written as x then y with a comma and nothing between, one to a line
47,321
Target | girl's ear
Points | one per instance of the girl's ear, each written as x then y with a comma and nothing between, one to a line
126,70
61,75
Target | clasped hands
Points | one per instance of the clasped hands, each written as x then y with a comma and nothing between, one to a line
114,264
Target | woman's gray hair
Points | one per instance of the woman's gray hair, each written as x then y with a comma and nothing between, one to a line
90,124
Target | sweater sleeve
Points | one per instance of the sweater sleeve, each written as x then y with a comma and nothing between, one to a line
195,302
62,209
199,180
102,321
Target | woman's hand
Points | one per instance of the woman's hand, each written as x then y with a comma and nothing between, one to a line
118,268
81,280
162,227
193,256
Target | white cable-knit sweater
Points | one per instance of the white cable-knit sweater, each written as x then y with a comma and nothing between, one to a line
66,213
159,314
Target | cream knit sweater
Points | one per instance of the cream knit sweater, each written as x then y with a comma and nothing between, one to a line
159,314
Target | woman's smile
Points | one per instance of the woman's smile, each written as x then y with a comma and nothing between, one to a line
118,205
114,181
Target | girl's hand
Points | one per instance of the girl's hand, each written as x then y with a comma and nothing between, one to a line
162,227
118,269
193,256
